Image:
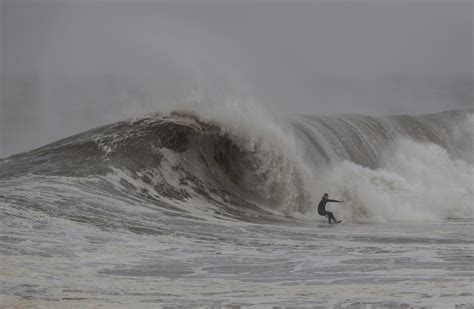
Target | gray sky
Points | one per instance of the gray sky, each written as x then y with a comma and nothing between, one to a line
68,66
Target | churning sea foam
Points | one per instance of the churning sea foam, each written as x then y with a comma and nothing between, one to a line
271,163
417,182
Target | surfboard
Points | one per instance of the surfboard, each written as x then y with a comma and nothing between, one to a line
325,224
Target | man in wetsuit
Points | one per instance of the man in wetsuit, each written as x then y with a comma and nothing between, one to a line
322,208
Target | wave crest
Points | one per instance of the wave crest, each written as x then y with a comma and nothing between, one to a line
406,168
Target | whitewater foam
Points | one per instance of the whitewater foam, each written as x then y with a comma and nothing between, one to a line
177,210
416,182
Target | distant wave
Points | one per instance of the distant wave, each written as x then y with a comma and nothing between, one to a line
406,167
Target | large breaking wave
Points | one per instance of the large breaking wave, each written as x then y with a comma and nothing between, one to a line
240,163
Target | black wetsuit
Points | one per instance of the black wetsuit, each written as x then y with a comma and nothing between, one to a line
322,209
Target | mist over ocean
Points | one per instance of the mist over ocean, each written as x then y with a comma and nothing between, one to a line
174,155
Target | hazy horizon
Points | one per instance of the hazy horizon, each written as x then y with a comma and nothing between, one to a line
70,66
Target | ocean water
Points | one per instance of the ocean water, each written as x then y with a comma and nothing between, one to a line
217,208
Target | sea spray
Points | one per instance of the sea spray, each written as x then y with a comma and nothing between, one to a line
417,182
184,209
237,160
265,160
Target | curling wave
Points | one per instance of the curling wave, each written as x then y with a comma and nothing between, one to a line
407,168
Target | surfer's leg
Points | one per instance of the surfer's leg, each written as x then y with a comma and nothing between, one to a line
334,218
331,216
327,216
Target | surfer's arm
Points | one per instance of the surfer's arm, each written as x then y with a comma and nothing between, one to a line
334,201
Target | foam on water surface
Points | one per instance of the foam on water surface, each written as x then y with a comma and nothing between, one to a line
62,262
186,210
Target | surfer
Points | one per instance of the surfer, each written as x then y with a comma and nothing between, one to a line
322,208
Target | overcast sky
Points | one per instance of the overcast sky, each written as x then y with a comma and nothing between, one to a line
68,66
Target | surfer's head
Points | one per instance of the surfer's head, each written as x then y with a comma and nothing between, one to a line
325,196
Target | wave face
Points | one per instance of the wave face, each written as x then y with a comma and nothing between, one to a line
394,168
